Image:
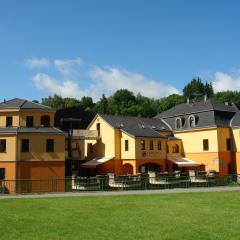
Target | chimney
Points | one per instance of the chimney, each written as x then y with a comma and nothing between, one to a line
226,103
188,101
205,97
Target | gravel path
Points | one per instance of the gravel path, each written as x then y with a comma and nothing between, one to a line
117,193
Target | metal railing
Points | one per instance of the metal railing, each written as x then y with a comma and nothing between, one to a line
113,183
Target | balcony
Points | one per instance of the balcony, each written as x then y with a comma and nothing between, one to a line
85,134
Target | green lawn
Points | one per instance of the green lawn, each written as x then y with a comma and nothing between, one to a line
175,216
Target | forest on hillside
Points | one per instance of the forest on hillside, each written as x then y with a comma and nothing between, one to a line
124,103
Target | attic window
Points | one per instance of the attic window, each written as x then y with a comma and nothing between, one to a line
191,121
178,123
142,126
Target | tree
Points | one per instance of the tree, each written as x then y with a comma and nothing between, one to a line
55,102
71,102
102,105
123,99
87,103
208,89
196,89
228,96
168,102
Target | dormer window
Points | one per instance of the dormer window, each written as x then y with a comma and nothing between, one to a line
191,121
178,123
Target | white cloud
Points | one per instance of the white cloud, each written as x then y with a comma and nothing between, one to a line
66,88
224,82
111,79
101,80
36,63
67,67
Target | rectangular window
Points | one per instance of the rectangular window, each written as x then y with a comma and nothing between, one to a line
9,121
2,174
142,144
50,145
159,145
175,148
90,147
25,145
3,145
151,145
126,145
205,145
29,121
229,144
98,128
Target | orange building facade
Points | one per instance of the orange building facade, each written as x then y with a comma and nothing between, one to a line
30,146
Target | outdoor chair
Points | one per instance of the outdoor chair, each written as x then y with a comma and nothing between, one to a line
84,183
156,180
196,179
122,182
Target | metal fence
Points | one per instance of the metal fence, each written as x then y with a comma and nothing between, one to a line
112,183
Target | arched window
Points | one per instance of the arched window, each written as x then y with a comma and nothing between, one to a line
191,121
175,148
178,123
45,121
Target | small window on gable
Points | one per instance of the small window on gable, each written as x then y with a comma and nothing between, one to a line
205,145
126,145
191,121
98,127
9,121
178,123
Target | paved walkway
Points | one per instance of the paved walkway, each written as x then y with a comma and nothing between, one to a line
118,193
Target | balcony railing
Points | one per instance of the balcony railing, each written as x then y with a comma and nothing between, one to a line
85,134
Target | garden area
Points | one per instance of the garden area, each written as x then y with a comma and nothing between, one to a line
166,216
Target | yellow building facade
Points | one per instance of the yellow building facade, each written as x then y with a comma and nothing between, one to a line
207,135
130,145
204,136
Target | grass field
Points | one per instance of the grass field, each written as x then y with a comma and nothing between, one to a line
174,216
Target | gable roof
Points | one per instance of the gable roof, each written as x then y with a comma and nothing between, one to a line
18,103
137,126
235,122
191,108
208,114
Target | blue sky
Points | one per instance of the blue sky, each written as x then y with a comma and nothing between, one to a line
77,48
